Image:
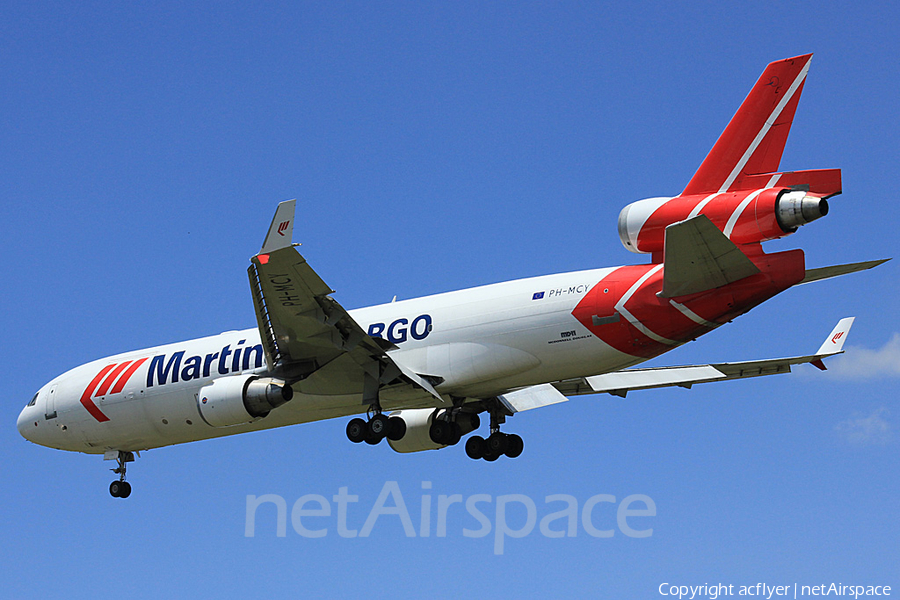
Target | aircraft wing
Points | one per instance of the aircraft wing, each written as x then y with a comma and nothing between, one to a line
620,383
311,340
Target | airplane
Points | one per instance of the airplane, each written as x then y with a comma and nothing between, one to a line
423,371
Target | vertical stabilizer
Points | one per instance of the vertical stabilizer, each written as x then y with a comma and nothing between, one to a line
754,140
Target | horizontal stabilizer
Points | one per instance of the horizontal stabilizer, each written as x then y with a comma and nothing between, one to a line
838,270
698,257
823,183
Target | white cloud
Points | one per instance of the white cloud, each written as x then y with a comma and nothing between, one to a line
866,430
863,363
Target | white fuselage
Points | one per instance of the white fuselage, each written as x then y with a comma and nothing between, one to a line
480,342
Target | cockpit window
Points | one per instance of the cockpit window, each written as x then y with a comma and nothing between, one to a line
33,400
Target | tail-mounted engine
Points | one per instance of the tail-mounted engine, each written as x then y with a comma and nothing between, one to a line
241,399
745,216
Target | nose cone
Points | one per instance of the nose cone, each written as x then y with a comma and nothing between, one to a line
23,422
36,429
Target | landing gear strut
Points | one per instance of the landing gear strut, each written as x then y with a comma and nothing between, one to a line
121,488
498,443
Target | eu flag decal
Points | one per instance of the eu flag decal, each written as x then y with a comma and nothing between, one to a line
537,295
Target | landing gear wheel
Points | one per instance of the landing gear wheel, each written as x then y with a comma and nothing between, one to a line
514,445
115,489
120,489
475,447
396,429
497,443
377,429
490,456
357,430
455,434
379,426
440,432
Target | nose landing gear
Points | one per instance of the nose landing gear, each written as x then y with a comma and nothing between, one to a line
121,488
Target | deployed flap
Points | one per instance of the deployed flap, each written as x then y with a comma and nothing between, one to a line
532,397
838,270
620,383
303,329
419,381
635,379
698,257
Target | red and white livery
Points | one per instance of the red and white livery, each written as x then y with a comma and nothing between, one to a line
424,372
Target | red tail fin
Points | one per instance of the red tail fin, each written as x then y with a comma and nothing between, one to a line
754,140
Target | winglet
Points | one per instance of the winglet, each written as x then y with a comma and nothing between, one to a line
835,340
281,231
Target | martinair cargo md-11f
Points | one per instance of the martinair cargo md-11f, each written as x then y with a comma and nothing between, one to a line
423,370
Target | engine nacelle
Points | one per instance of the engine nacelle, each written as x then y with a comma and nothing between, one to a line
746,216
793,209
241,399
418,423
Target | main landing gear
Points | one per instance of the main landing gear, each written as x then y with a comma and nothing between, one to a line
444,432
497,443
121,488
377,427
445,427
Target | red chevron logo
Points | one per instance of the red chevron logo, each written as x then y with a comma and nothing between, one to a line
108,375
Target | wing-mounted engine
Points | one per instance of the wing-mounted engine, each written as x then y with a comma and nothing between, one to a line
419,434
241,399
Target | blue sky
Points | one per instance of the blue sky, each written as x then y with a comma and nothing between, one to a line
433,147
